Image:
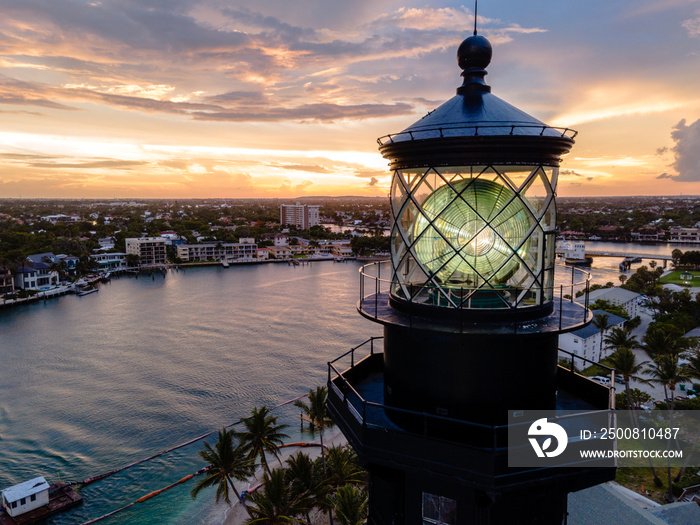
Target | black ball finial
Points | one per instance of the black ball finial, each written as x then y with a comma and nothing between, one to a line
474,52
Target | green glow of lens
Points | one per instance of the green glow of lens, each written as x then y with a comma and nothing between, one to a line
470,232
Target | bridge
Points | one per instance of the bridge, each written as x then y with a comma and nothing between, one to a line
622,254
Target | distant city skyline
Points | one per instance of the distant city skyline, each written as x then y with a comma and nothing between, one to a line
243,99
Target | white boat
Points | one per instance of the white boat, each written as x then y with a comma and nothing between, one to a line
574,253
87,292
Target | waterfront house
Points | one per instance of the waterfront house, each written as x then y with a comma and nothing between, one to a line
26,496
585,342
7,283
341,249
110,261
279,252
689,235
35,276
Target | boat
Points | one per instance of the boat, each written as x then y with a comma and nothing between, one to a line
225,264
574,253
87,291
57,497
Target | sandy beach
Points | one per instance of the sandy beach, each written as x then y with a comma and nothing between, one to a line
236,514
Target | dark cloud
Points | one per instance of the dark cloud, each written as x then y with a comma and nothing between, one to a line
372,182
19,93
309,112
279,29
238,97
569,172
665,176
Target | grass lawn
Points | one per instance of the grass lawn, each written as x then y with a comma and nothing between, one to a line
637,479
675,278
634,478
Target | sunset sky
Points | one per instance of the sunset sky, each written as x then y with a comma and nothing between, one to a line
272,98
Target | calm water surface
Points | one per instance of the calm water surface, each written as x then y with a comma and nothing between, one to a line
88,384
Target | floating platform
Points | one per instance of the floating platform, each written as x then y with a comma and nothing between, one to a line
62,496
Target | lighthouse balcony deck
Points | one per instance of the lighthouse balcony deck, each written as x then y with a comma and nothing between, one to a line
471,450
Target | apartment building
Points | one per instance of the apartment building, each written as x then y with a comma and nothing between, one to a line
151,250
303,216
217,252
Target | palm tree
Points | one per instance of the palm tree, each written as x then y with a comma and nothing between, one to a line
341,467
262,434
600,321
306,480
660,342
316,413
665,370
620,338
625,362
692,369
350,505
275,503
227,462
344,468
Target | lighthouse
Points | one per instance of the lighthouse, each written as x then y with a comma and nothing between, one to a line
471,317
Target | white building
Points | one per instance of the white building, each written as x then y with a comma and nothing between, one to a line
26,496
585,342
281,240
303,216
619,296
341,249
151,250
35,276
678,234
229,252
279,252
110,261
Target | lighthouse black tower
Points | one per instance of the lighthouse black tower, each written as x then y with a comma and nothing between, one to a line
471,318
